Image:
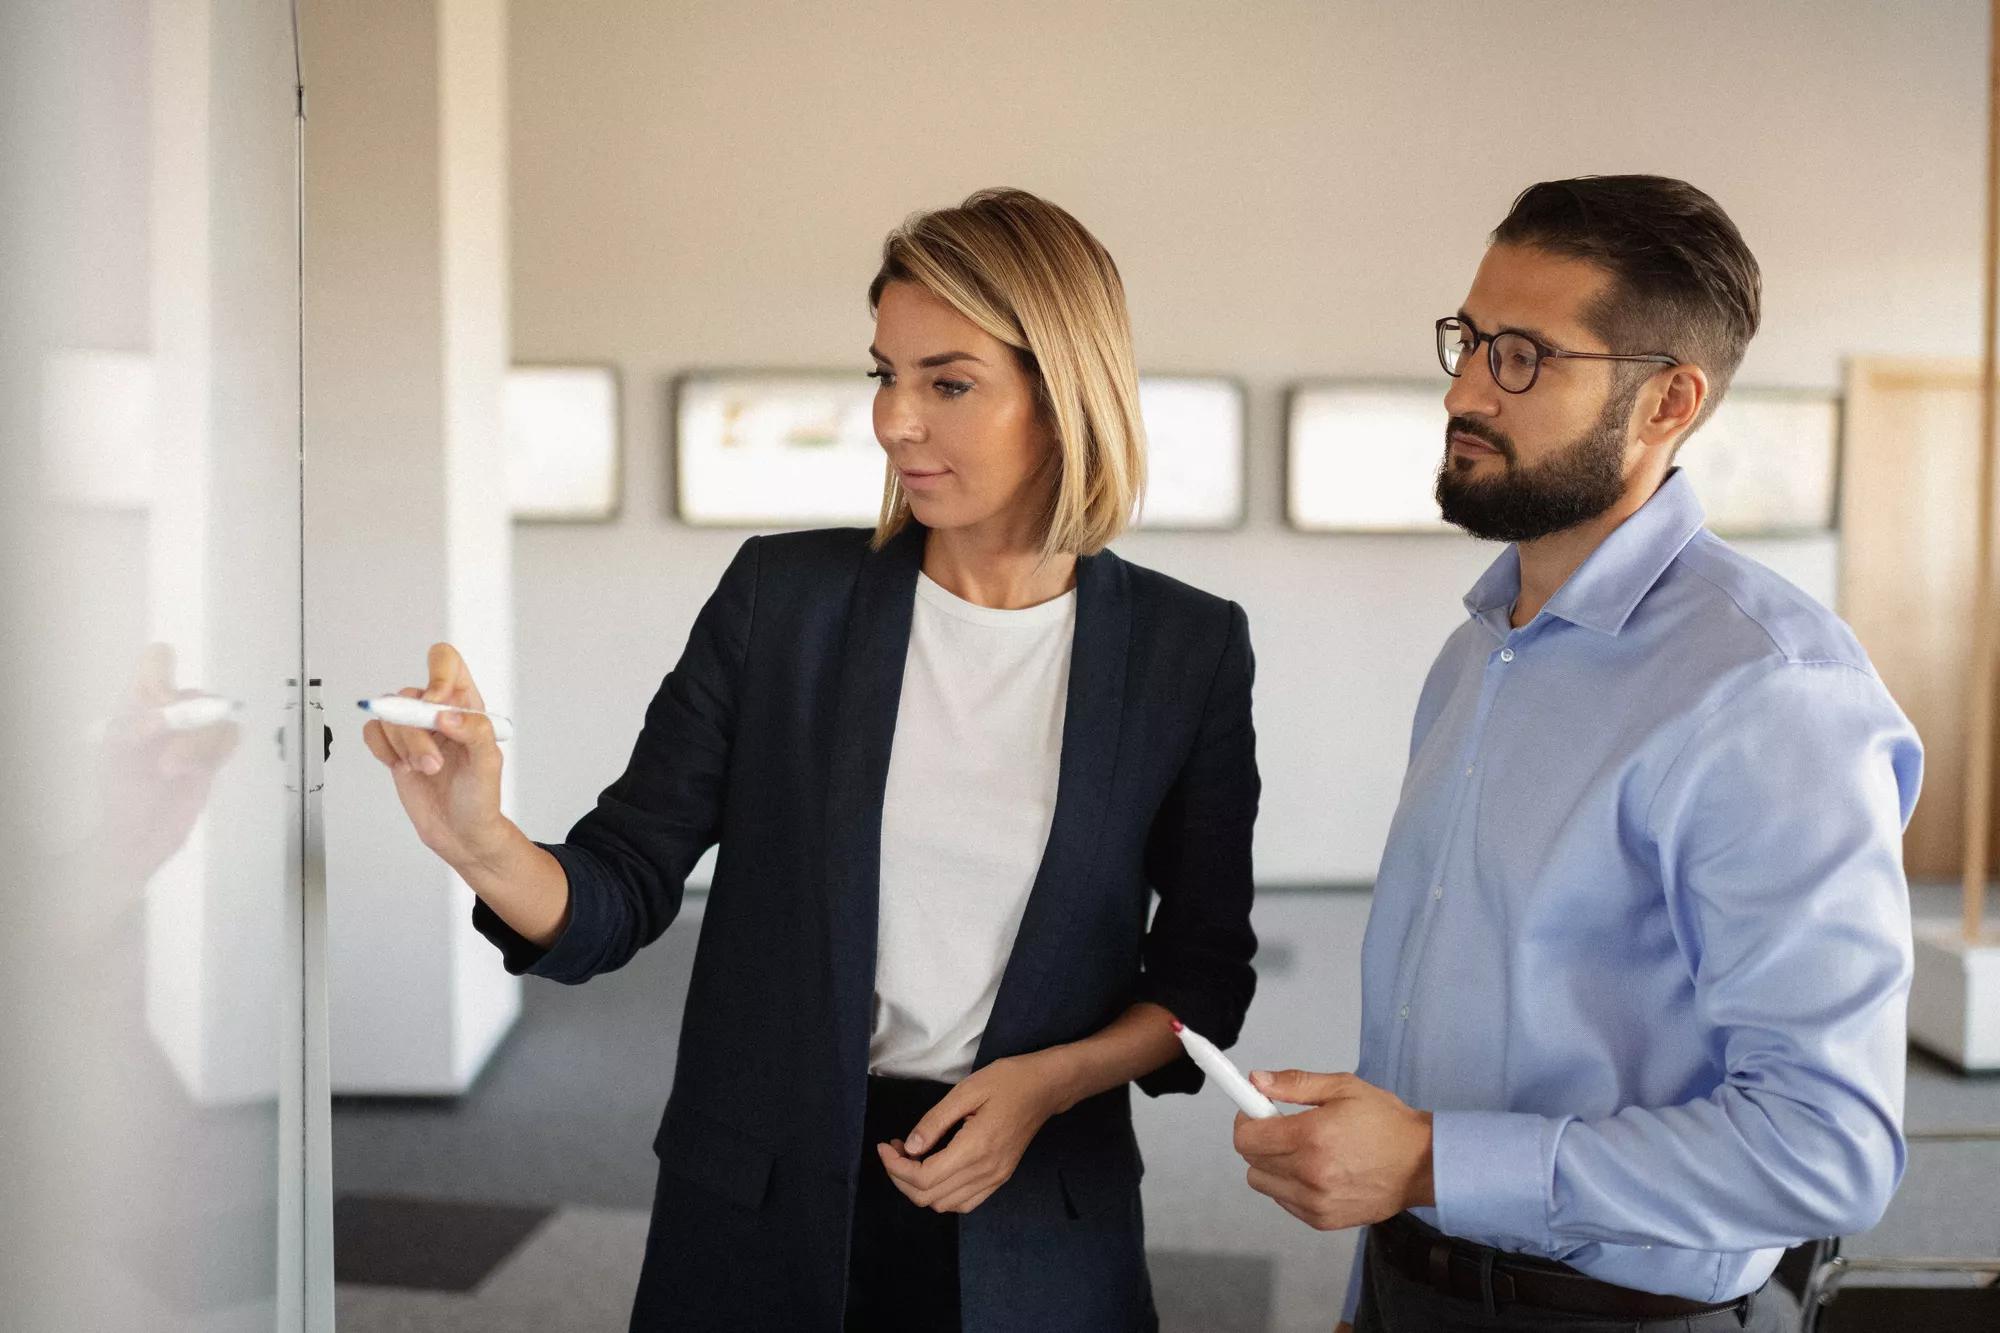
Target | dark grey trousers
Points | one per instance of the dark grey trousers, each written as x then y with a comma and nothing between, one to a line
1392,1303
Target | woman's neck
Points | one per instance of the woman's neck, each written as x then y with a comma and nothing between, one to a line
1004,571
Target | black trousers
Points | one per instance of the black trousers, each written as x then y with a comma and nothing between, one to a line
1392,1303
902,1273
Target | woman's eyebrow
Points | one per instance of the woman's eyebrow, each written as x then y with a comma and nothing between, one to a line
938,359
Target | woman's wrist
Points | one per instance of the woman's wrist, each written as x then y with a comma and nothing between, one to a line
491,854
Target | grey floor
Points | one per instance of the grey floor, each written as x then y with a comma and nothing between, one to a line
565,1112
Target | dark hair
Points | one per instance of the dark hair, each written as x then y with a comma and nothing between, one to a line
1683,281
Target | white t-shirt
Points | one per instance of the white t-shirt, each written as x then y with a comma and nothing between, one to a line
965,817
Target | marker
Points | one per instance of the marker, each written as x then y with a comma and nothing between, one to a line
1217,1066
401,712
203,710
191,714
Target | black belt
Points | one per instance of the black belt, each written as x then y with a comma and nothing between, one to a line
1481,1273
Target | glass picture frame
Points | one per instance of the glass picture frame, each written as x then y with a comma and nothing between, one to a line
563,442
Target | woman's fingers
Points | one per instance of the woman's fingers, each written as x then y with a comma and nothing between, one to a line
469,729
451,679
418,747
374,736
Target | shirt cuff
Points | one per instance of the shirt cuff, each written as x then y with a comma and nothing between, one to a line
1492,1172
568,958
1352,1305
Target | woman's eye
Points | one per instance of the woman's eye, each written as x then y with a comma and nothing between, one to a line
881,377
953,388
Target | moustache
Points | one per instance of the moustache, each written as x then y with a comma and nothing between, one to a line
1479,431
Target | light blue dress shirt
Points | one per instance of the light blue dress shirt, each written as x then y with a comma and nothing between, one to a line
1641,937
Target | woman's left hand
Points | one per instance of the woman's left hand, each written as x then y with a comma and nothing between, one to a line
1003,1107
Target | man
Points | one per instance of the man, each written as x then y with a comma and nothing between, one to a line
1634,981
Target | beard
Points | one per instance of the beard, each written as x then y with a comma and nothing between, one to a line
1574,485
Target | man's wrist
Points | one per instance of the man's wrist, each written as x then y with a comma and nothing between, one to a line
1422,1191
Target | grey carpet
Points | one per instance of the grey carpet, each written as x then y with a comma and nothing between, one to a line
566,1110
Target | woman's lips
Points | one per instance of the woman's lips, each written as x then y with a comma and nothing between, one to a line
919,481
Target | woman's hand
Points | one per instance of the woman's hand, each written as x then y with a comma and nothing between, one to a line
1002,1107
449,780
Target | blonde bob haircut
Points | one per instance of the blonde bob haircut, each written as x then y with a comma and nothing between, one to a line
1029,274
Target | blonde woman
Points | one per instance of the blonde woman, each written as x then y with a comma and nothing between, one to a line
948,763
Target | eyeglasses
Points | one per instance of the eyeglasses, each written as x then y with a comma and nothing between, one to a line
1514,358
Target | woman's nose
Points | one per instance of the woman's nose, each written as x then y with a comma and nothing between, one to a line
896,423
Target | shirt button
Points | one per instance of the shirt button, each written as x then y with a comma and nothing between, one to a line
1404,1012
1468,770
1437,892
1506,654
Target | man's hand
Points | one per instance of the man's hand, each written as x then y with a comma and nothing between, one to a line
1359,1156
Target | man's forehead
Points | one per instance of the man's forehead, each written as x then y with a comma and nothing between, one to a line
1519,287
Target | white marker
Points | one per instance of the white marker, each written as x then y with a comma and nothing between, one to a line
203,710
401,712
1216,1065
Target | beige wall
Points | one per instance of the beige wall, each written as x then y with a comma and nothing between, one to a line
1291,189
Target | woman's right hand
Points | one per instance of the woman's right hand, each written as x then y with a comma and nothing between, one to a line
449,780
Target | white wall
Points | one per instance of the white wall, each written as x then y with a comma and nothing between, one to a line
1291,190
407,539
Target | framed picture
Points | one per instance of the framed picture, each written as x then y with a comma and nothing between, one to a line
776,449
761,449
562,443
1196,466
1362,456
1767,463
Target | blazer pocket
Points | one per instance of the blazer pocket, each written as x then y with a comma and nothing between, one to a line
710,1153
1101,1187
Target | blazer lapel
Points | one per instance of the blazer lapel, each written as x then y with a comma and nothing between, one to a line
1091,725
864,729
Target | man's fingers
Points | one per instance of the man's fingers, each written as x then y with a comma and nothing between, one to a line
1301,1088
1258,1140
1282,1188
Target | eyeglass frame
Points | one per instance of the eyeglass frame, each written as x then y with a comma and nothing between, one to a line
1543,352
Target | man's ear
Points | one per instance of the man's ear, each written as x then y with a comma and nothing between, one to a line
1670,403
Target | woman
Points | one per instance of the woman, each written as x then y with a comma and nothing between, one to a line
947,764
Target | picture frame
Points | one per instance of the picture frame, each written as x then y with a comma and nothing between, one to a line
564,442
769,448
1361,457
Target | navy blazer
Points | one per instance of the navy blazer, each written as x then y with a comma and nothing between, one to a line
772,737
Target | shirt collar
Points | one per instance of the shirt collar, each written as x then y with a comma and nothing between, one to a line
1604,591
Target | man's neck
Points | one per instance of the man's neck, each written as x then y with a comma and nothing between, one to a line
1548,562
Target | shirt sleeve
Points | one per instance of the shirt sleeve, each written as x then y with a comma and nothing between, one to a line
1198,950
1778,832
628,860
1351,1305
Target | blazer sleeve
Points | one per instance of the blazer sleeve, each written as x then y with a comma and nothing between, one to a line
1197,953
628,860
